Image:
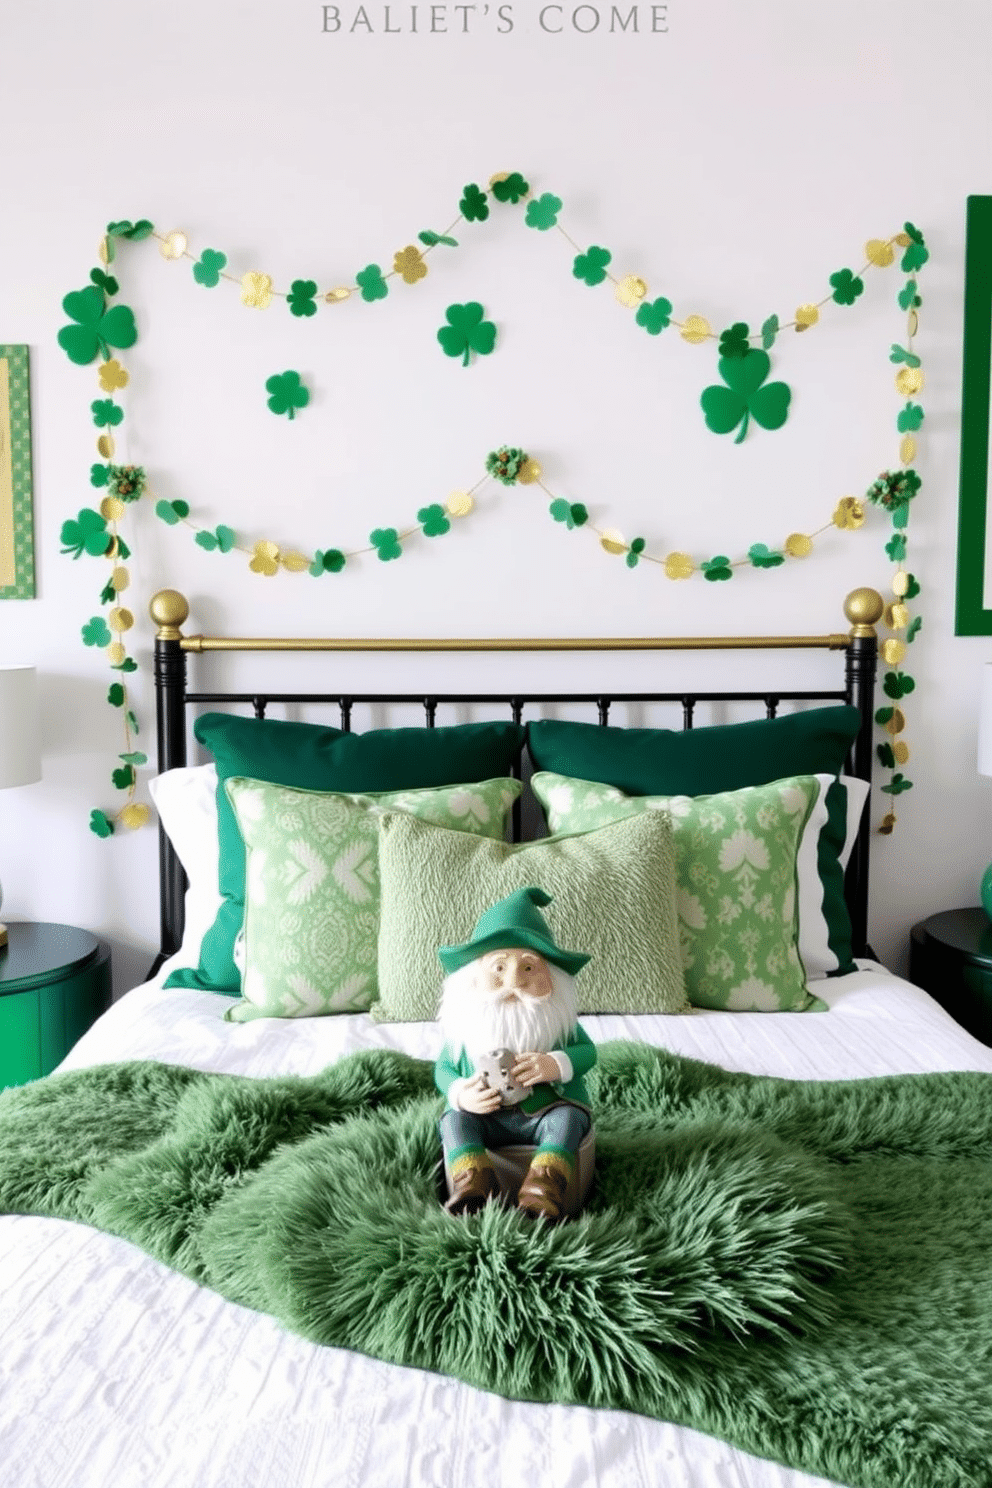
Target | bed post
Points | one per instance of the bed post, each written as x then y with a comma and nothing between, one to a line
169,610
863,607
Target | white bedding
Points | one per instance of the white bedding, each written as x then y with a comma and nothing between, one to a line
116,1371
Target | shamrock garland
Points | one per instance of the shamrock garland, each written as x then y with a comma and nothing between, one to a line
99,327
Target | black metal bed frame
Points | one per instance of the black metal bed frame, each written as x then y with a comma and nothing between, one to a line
174,698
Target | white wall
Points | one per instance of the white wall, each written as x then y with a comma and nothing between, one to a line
735,162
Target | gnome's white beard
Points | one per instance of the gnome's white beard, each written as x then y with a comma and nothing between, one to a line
475,1019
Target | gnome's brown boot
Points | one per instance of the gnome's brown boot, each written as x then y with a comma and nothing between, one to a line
471,1188
542,1193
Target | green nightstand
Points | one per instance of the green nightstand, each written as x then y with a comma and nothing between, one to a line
950,956
54,982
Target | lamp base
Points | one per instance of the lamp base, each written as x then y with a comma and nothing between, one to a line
3,935
985,890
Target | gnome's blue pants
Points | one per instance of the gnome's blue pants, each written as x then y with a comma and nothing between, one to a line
558,1131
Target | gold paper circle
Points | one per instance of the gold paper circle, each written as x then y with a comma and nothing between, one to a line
529,472
879,253
256,290
106,446
679,566
173,245
134,815
900,583
913,322
887,823
903,239
806,316
909,380
901,752
295,562
459,504
120,619
265,558
113,376
798,545
900,617
695,330
849,514
116,653
337,296
612,541
896,723
893,651
630,291
907,449
120,579
112,508
104,251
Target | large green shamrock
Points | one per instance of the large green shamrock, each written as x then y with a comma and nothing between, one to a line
466,332
87,534
847,286
107,413
916,253
543,213
474,206
302,297
96,328
654,315
511,188
287,393
96,632
433,520
372,284
207,270
744,398
386,542
591,267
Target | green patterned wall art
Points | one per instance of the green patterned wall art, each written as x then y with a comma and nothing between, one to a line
16,513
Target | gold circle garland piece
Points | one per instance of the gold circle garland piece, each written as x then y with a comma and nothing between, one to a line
695,329
806,316
798,545
679,566
174,245
630,291
879,253
459,504
612,541
256,290
337,296
909,380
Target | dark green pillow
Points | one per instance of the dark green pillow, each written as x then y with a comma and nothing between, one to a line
311,757
699,761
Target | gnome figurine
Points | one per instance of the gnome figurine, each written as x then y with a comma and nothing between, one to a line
514,1058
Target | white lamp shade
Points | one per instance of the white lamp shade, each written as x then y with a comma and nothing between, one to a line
20,746
985,722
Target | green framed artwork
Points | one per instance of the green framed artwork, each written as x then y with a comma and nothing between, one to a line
974,593
16,514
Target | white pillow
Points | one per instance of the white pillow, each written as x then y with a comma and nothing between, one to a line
186,801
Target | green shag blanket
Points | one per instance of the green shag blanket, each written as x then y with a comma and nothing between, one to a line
802,1269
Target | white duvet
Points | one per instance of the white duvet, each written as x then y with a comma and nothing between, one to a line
117,1373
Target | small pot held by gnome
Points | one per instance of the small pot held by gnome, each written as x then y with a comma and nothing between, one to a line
514,1058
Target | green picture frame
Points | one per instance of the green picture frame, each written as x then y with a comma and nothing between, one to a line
973,615
16,489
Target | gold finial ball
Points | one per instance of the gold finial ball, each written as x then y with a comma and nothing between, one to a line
169,609
863,606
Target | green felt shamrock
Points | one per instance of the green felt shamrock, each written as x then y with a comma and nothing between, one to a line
912,587
127,481
221,540
744,398
302,297
474,205
885,756
87,534
385,540
466,332
883,715
543,213
124,777
896,547
133,231
897,785
287,393
916,254
910,418
333,561
433,238
572,514
172,512
847,286
108,593
505,464
106,413
916,626
591,267
99,475
135,757
898,685
762,556
103,281
909,297
101,824
97,329
372,284
637,547
769,331
116,695
654,315
96,632
718,568
127,665
433,520
734,342
511,188
207,269
903,354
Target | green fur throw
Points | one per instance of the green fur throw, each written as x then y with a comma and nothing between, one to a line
802,1269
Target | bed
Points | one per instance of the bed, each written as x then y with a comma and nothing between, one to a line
118,1368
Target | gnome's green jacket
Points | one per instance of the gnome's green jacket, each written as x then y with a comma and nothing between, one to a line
579,1050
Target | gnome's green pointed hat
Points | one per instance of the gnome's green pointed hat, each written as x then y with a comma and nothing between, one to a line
515,921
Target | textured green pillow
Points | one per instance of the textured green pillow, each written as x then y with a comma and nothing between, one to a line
311,757
699,761
311,920
613,893
735,866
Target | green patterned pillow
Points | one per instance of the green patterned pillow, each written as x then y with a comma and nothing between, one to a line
311,924
735,867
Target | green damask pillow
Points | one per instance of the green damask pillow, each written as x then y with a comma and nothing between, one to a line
735,866
311,920
613,895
